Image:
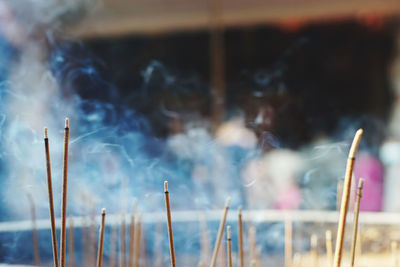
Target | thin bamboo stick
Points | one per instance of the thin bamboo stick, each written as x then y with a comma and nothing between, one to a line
345,198
51,202
64,195
229,245
101,238
240,234
355,225
138,228
170,233
219,235
288,243
122,248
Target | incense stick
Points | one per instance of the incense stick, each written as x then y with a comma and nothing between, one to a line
64,195
122,250
314,251
288,243
229,245
35,240
101,238
355,225
170,233
329,252
220,232
345,198
51,204
339,193
240,234
138,228
71,238
131,240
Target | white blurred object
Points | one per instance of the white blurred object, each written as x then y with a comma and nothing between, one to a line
234,132
269,178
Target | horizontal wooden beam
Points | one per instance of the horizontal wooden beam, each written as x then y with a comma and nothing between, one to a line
122,17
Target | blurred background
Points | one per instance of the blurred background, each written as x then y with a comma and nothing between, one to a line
257,100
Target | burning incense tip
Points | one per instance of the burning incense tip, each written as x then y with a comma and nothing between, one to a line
45,133
228,200
240,210
103,211
165,186
66,123
228,232
360,183
356,142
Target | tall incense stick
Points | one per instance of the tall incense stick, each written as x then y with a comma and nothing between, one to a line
64,195
329,251
345,198
51,204
170,233
220,233
355,225
229,245
101,239
240,233
288,243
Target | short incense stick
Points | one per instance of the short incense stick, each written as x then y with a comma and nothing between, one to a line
122,248
131,240
101,239
170,233
220,233
240,234
71,248
288,243
355,223
314,251
138,229
329,252
229,245
345,198
35,239
51,204
64,195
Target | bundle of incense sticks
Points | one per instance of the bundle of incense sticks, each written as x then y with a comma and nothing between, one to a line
136,251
